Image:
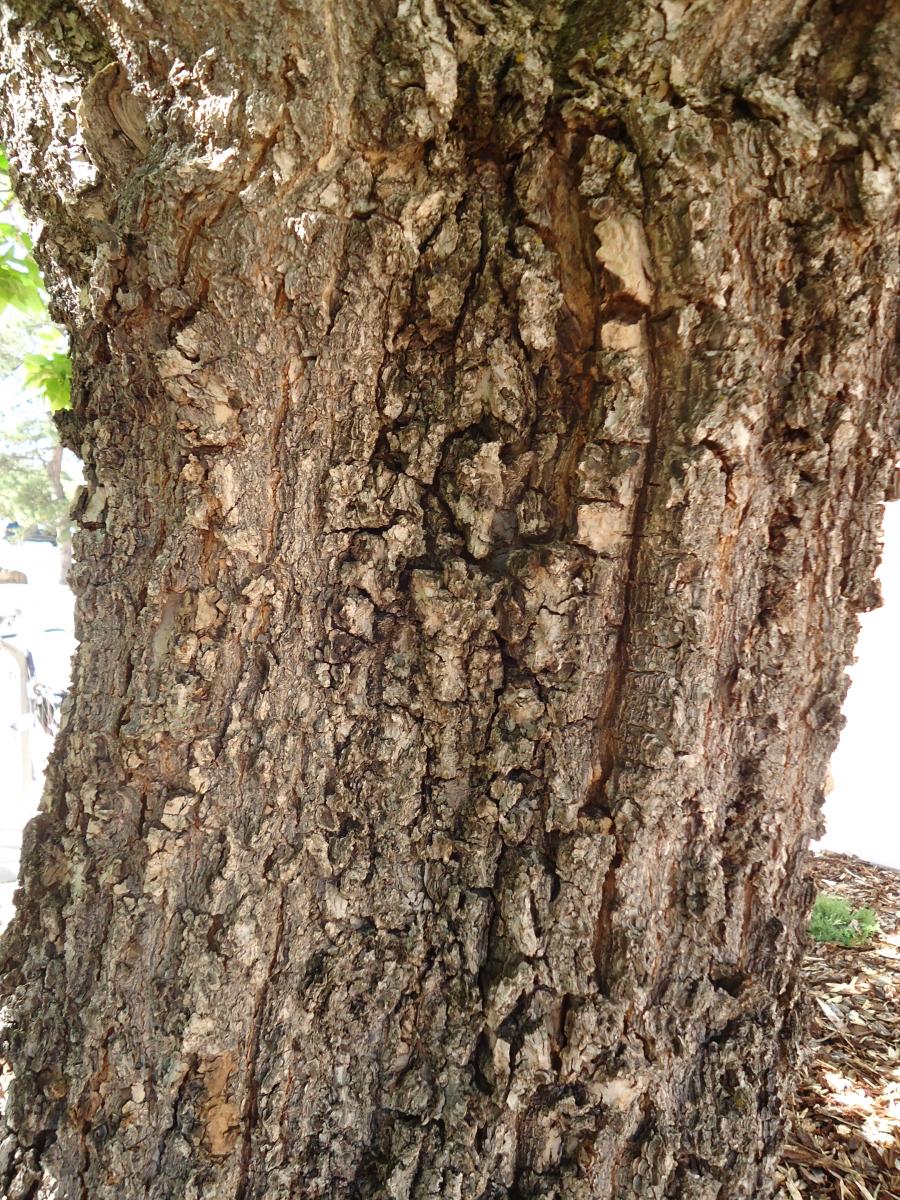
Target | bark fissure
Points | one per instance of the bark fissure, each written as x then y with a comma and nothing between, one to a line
250,1114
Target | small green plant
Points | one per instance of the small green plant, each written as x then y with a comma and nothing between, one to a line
833,920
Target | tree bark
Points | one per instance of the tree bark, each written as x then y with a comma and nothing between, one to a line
486,411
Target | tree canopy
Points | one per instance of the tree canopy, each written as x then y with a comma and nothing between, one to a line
46,370
35,378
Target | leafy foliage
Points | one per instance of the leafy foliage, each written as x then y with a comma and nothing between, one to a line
35,486
21,288
52,375
20,280
833,920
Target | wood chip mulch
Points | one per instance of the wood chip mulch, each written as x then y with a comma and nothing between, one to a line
844,1136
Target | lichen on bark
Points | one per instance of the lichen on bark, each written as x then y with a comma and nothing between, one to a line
485,412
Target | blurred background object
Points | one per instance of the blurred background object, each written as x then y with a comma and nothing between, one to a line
862,812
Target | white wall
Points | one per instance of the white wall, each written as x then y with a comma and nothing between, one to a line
863,811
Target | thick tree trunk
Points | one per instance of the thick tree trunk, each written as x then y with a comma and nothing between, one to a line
486,410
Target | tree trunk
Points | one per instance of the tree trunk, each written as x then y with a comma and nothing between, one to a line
485,411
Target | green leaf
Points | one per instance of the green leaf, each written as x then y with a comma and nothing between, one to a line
20,280
20,287
52,375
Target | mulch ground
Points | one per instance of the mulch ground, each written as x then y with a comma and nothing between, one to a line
844,1137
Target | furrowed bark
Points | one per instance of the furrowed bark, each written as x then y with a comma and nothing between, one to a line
486,412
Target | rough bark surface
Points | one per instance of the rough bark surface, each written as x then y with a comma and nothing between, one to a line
486,410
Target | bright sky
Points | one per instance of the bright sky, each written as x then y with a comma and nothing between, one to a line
863,811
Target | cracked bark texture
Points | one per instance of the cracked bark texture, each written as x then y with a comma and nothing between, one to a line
486,410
